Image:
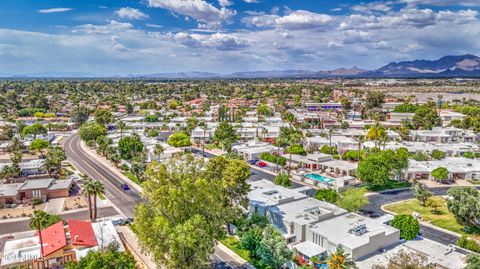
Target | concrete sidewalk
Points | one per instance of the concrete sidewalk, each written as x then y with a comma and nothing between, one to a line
54,206
131,241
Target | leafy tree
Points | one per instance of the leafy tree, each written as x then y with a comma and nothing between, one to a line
34,129
130,146
226,135
264,110
326,149
426,117
103,117
151,118
405,108
80,114
434,203
469,155
473,261
296,149
352,199
179,139
421,193
283,179
420,156
374,99
38,145
407,260
121,126
376,133
465,204
41,220
54,158
183,211
408,225
440,173
251,239
326,195
153,133
108,258
273,250
378,168
103,142
90,132
438,154
340,260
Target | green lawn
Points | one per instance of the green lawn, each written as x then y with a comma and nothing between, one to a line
132,177
233,244
390,185
443,218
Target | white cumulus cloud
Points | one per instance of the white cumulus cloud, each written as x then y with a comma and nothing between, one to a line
131,13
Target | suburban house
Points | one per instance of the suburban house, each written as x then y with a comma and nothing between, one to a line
61,244
399,117
342,143
458,168
42,189
253,149
447,116
30,168
441,135
314,228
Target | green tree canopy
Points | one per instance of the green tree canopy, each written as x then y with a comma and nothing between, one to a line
380,167
186,204
34,129
179,139
283,179
440,173
90,131
465,204
43,219
107,258
130,146
38,145
408,225
426,117
352,199
438,154
103,117
225,134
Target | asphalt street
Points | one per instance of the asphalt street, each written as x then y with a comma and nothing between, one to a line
124,201
376,201
23,225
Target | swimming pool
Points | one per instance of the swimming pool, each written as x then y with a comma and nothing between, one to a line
319,178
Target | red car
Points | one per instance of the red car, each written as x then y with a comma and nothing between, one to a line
262,164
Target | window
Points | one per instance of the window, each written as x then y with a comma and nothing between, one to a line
37,193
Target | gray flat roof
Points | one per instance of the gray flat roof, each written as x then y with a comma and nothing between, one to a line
33,184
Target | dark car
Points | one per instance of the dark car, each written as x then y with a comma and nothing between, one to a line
125,187
253,162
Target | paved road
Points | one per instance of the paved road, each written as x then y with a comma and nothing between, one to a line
23,225
124,201
373,209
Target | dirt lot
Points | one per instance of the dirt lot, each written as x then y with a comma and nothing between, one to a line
75,202
20,211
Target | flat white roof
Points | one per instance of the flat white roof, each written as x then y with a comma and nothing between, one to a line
337,230
309,248
21,250
266,193
307,210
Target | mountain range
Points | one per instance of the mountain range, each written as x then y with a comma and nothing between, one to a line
446,67
449,66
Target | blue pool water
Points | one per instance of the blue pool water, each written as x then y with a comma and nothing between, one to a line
320,178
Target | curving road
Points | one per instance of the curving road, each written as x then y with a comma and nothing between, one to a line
376,201
124,201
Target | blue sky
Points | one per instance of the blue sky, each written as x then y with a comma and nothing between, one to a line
115,37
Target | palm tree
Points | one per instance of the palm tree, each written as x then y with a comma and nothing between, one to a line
97,190
376,133
121,126
39,219
340,260
330,131
159,150
55,157
360,141
88,190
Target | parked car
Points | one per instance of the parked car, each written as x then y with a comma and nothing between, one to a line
253,162
124,187
262,164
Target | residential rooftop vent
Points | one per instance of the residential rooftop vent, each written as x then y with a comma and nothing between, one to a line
270,192
359,230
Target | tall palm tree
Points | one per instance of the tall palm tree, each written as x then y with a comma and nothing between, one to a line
97,190
159,150
88,190
376,133
360,141
39,219
330,131
340,260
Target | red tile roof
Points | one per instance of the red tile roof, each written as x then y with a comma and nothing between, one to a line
53,238
81,233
